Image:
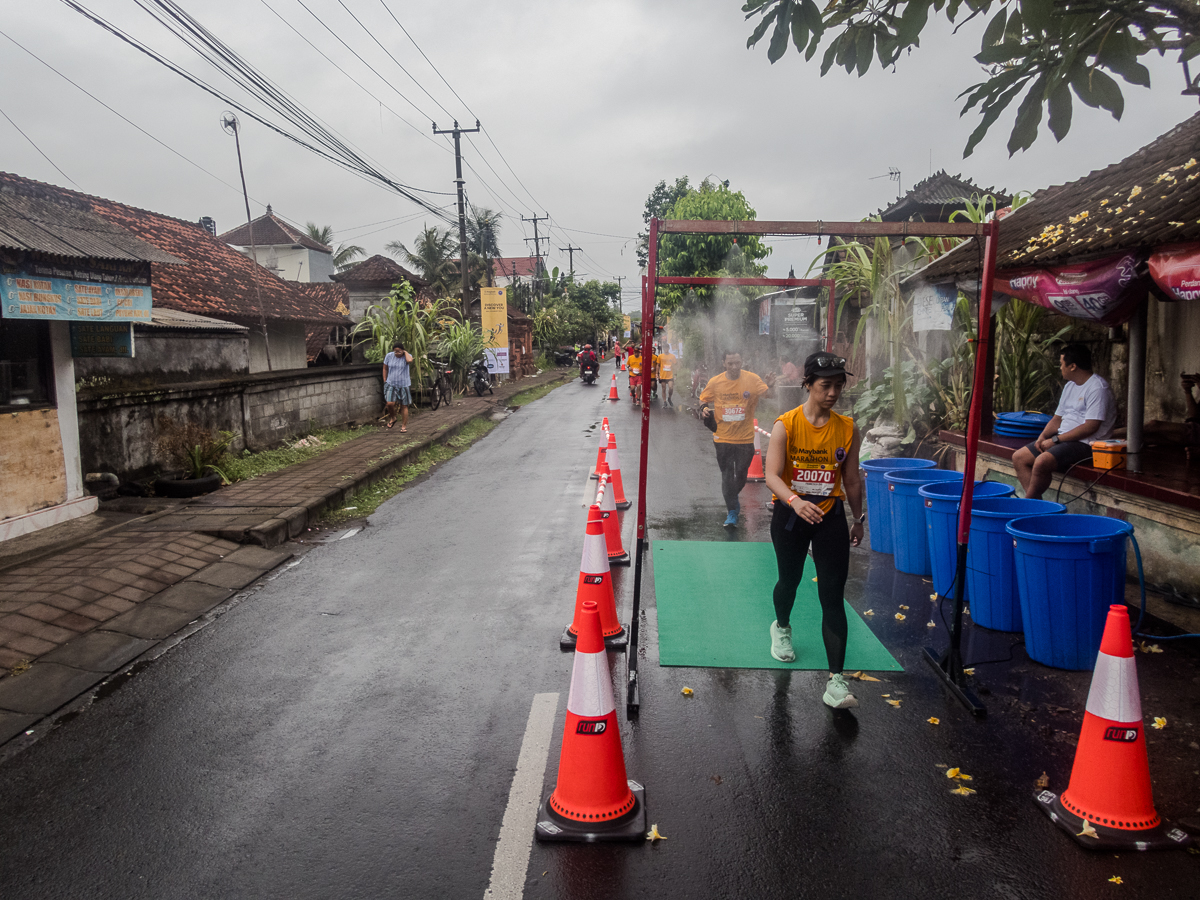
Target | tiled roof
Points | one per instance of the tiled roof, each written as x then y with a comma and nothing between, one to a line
1146,200
335,300
378,271
31,219
214,280
520,266
936,197
270,231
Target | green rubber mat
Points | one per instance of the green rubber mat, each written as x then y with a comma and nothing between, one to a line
714,610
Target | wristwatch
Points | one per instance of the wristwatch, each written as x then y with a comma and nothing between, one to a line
1056,440
861,519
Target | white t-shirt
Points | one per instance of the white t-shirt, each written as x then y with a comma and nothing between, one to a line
1091,400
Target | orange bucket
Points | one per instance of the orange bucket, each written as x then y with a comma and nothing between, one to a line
1108,454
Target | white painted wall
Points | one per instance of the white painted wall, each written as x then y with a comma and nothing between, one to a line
68,417
288,349
292,264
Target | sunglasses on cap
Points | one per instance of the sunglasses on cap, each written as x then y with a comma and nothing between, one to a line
829,362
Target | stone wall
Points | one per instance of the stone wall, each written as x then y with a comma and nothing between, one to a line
119,430
172,357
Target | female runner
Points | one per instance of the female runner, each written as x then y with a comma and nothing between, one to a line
812,468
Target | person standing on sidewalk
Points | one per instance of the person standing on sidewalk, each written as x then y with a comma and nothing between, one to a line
812,468
731,399
397,385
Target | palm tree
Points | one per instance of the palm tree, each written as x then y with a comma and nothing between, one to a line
433,256
483,232
344,254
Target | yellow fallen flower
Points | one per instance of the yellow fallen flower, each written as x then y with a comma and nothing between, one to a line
931,624
1043,780
970,671
1088,831
654,835
1152,648
934,720
958,774
895,703
933,598
1159,723
869,612
900,617
902,606
963,791
687,692
1116,879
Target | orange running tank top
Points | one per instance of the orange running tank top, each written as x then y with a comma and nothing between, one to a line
813,466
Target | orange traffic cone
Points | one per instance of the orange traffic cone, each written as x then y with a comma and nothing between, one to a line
756,472
623,368
1108,804
603,443
593,800
613,461
612,391
617,554
595,583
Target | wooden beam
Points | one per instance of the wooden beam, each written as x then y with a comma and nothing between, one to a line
698,281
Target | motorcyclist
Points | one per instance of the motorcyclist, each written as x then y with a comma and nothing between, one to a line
587,359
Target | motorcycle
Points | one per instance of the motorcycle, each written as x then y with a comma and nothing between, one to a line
480,378
589,371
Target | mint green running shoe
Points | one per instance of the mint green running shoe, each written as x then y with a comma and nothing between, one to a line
781,643
837,693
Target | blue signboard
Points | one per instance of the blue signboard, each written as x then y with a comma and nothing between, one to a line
110,339
67,300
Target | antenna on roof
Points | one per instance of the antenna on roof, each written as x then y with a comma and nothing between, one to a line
893,174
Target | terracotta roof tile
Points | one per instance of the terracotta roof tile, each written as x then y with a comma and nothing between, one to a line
215,279
270,231
1146,200
378,271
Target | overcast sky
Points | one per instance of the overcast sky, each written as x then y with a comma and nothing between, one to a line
591,104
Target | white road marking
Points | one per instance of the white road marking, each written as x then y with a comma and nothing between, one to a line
516,830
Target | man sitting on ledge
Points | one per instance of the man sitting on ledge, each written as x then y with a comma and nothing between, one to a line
1086,413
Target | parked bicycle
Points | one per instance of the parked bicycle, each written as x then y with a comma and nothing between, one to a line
440,390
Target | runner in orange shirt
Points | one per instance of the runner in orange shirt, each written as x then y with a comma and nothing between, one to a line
731,399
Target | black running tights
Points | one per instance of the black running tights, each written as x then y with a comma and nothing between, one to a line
830,541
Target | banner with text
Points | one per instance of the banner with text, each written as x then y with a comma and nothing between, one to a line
107,339
493,311
27,296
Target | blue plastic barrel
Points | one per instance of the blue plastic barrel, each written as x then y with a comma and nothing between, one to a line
908,516
941,526
1070,569
991,578
879,505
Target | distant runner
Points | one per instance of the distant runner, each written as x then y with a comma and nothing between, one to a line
812,465
666,376
731,399
633,360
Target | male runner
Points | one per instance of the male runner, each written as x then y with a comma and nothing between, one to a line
732,398
666,376
633,360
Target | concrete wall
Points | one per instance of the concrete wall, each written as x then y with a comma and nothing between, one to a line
120,428
170,357
295,263
288,349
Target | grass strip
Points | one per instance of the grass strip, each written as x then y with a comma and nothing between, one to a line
535,393
365,501
251,465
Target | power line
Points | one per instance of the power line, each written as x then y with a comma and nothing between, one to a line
428,60
348,75
33,144
336,151
393,59
123,118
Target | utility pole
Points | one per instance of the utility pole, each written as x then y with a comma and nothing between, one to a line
619,279
230,123
537,247
570,251
462,210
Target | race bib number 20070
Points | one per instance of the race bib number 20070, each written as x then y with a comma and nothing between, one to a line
816,481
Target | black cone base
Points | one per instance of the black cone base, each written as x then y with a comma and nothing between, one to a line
618,641
1161,837
625,504
630,827
622,560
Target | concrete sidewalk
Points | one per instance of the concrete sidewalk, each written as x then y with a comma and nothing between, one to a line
74,611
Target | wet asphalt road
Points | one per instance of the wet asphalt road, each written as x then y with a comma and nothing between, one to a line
350,729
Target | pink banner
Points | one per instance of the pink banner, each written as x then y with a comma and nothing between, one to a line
1176,270
1103,290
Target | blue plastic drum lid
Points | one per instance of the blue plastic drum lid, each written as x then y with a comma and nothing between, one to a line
879,505
942,500
910,546
1070,569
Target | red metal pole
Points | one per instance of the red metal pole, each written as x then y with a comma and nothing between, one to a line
649,295
830,321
